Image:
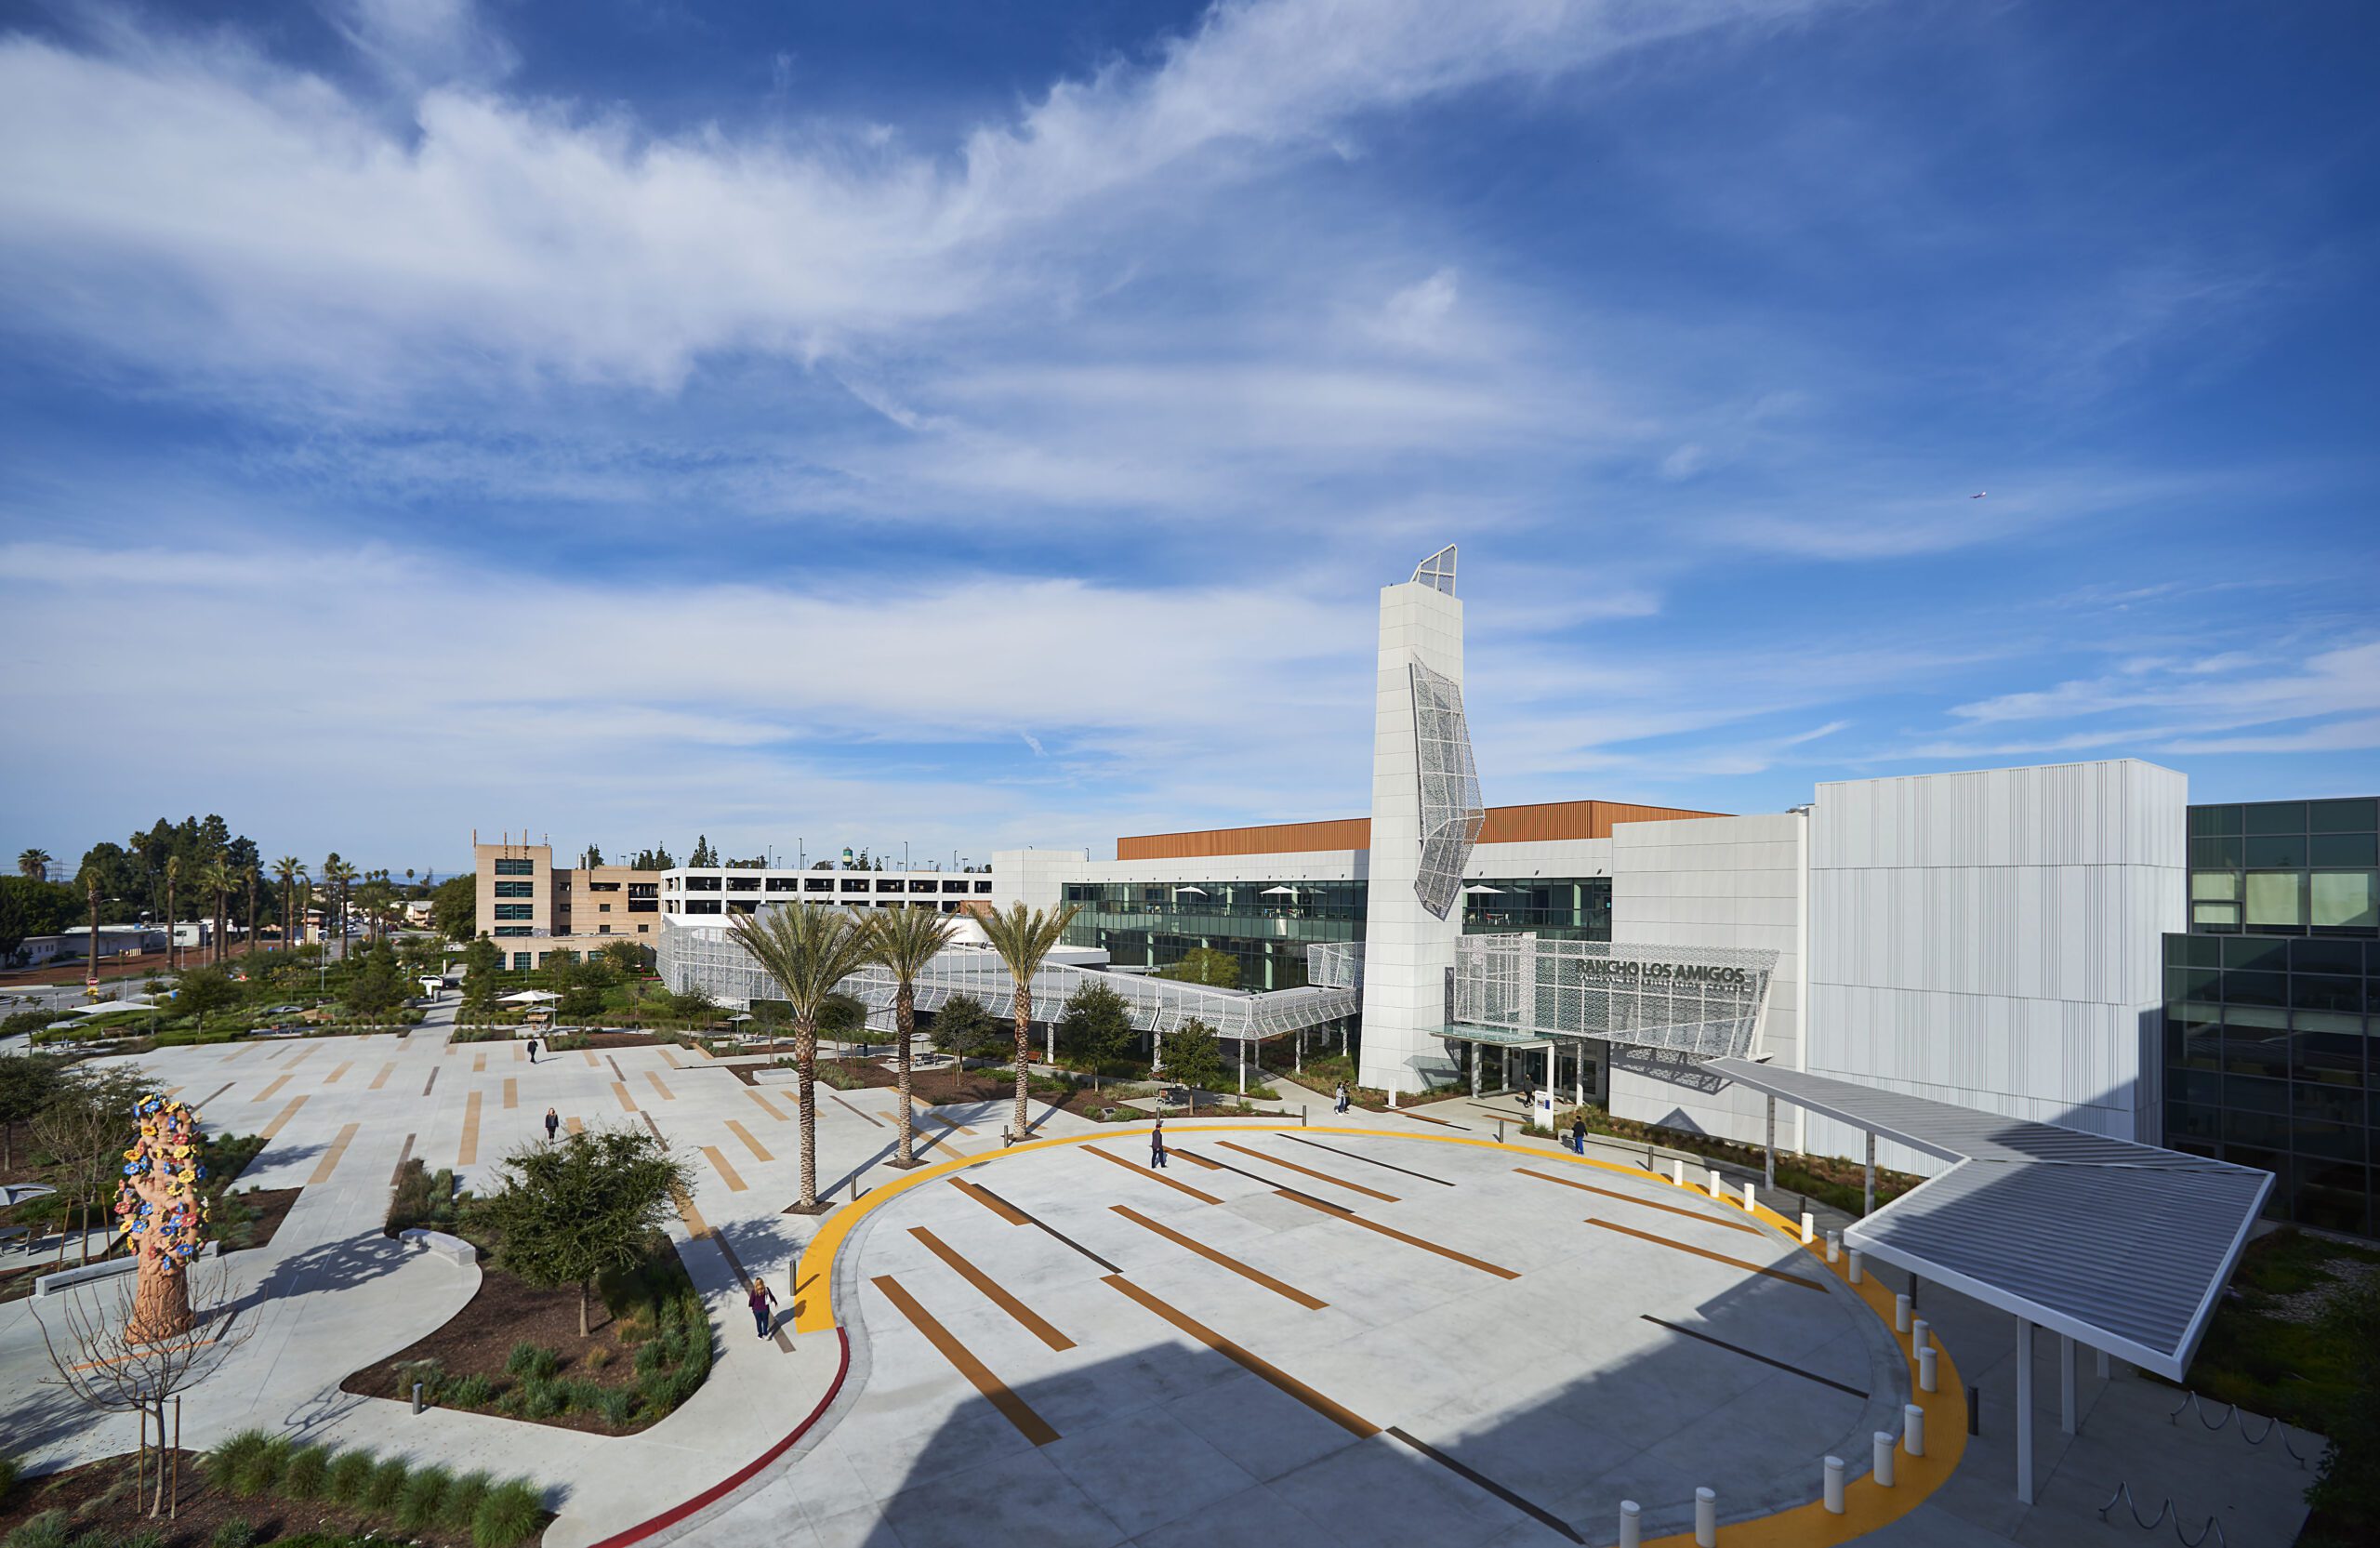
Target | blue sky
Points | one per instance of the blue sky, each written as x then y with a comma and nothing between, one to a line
971,425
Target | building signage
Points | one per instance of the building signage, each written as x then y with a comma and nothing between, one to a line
1673,972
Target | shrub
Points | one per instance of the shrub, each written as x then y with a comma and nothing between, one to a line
350,1473
420,1504
149,1539
597,1358
529,1359
380,1489
8,1476
306,1475
586,1397
46,1530
234,1533
462,1502
259,1471
651,1356
431,1373
224,1460
541,1396
619,1405
507,1514
474,1391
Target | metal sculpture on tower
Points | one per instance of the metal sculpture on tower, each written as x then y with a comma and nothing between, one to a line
163,1215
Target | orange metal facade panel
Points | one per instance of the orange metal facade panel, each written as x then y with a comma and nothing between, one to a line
1505,825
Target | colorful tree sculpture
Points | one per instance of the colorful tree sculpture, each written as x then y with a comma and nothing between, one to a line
161,1211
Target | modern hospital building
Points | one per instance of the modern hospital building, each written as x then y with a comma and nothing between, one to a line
2071,945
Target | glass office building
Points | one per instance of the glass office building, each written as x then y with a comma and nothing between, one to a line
1268,924
2273,1004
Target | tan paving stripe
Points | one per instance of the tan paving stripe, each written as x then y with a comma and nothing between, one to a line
332,1078
479,1062
330,1157
278,1081
1026,1316
283,1116
998,1206
667,1095
628,1103
471,1150
1644,1203
1196,1160
588,1054
402,1156
210,1096
1339,1414
304,1053
1018,1412
511,1092
1257,1275
734,1184
870,1117
1715,1257
172,1091
926,1111
1153,1174
696,1226
244,1048
1353,1219
1317,1176
577,1126
432,1081
699,1052
1419,1119
766,1105
750,1143
520,1052
382,1078
669,1057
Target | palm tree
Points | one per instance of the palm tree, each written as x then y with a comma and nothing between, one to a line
173,940
902,941
808,950
1023,936
288,870
91,884
34,862
213,881
338,877
250,876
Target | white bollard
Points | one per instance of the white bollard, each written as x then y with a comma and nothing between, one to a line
1629,1526
1919,1334
1833,1246
1913,1424
1809,1228
1925,1377
1677,1171
1706,1518
1748,1199
1883,1471
1718,1184
1834,1485
1900,1313
1856,1260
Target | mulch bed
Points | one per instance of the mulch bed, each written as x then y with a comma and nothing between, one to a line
505,1312
273,1206
81,1491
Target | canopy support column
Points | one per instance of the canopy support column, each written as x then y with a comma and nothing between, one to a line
2065,1383
2024,1411
1770,1159
1868,1204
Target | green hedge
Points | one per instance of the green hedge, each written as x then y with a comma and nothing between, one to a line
254,1464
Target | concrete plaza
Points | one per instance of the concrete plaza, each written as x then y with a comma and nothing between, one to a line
1377,1330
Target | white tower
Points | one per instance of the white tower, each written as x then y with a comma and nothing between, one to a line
1425,818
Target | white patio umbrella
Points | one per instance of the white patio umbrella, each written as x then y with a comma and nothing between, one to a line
1475,890
530,996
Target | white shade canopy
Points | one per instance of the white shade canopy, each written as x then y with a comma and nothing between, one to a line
1271,892
1196,891
527,997
1476,889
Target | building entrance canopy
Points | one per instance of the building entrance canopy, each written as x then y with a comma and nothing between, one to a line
2121,1246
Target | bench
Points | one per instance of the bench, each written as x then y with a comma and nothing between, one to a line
455,1250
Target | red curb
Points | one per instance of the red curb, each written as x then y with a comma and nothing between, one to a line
744,1475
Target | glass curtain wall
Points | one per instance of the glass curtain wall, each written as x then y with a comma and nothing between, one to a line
1266,925
2308,867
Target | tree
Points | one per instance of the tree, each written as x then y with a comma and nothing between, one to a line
91,883
374,990
12,924
288,870
202,990
592,858
482,957
703,854
569,1209
653,859
27,1082
808,950
213,881
840,1015
455,907
2348,1489
34,862
1217,970
1191,1057
172,936
339,877
1096,1027
250,877
902,941
965,1029
82,1127
1023,938
627,956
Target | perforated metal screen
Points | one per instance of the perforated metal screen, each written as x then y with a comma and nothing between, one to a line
1704,1001
1451,813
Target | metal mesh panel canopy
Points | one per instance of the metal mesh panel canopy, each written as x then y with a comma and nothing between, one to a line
1335,964
1704,1001
1438,571
706,957
1451,813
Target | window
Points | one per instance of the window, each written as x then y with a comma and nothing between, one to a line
2275,899
516,910
516,889
818,884
702,883
2347,899
512,930
2343,817
953,886
2276,816
743,883
520,962
642,928
983,886
644,905
703,905
892,886
643,889
516,867
602,929
784,884
602,886
855,886
603,908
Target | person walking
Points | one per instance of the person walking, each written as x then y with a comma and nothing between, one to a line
1577,1133
761,1299
1340,1098
553,1123
1156,1141
533,1050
